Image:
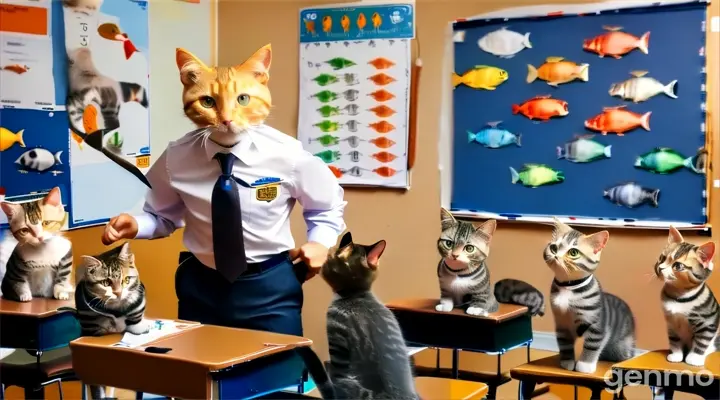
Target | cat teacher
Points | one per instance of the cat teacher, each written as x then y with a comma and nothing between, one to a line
233,190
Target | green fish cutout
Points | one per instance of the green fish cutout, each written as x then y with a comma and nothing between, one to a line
664,160
340,63
328,126
328,156
534,175
325,96
325,140
325,79
328,111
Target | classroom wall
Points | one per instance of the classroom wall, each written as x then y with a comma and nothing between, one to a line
409,220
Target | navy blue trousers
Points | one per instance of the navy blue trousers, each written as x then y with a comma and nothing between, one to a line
268,300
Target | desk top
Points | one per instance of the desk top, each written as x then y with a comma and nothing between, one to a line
37,307
211,347
504,312
429,388
550,369
656,361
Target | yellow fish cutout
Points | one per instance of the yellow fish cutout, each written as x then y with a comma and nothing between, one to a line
8,138
481,77
639,74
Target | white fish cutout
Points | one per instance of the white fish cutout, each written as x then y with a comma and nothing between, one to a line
640,88
504,43
459,37
38,159
632,195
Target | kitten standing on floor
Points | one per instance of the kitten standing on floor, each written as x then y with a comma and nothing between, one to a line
368,356
41,262
691,309
580,307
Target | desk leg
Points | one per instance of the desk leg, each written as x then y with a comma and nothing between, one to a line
83,391
669,393
2,391
526,389
138,395
595,393
35,393
455,363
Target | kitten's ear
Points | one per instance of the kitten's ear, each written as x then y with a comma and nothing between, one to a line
446,218
10,209
259,64
706,253
346,240
559,228
597,241
189,66
674,237
125,253
53,197
90,263
373,254
488,228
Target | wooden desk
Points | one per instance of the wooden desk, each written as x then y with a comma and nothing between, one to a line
653,369
548,370
429,388
506,329
206,362
37,324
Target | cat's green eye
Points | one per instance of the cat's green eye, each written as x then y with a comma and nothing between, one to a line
573,253
126,280
243,99
678,266
207,102
107,282
447,243
469,248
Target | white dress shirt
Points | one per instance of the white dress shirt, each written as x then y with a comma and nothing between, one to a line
183,178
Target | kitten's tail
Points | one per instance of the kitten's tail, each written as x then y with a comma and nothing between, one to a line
513,291
317,371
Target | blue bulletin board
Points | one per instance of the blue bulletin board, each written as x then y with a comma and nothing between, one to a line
652,176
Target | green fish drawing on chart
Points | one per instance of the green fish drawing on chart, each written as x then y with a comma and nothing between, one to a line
325,96
534,175
340,63
328,126
325,140
663,160
328,156
328,111
325,79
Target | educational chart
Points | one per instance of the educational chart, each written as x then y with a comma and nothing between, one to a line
107,106
355,91
599,118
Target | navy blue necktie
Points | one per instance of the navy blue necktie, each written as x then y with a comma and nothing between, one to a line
228,243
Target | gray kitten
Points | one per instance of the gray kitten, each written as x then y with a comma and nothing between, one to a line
462,271
368,356
691,310
580,307
41,262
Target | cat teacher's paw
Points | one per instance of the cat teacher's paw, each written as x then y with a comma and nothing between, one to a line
60,293
444,307
695,360
568,364
585,367
25,296
675,357
481,312
140,328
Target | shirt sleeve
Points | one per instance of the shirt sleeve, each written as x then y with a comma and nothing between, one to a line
164,210
321,196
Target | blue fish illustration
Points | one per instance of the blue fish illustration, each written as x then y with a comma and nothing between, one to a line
493,137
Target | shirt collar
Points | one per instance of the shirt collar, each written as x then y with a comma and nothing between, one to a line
246,150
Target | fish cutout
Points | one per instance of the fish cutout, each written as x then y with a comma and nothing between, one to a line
493,137
325,79
376,21
618,120
504,43
310,27
16,68
381,63
382,79
361,23
354,155
338,172
328,156
328,126
338,63
352,109
350,79
382,111
481,77
557,70
616,43
536,175
351,94
542,108
384,157
8,138
353,141
459,37
641,88
382,127
345,24
328,111
381,95
327,24
382,142
663,160
325,96
385,172
38,160
352,125
632,195
583,149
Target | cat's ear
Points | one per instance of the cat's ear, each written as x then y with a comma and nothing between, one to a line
488,228
597,241
345,247
53,197
346,240
373,254
559,228
125,253
10,209
189,65
259,64
706,253
446,218
674,237
90,263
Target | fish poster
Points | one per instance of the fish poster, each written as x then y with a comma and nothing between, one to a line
599,118
354,101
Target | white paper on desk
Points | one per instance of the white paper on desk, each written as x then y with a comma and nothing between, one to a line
162,328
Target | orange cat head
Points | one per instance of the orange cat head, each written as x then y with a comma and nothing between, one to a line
227,100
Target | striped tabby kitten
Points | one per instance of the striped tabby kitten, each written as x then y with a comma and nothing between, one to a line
41,263
691,310
580,307
462,272
368,356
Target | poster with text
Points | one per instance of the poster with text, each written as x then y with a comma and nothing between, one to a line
355,65
107,106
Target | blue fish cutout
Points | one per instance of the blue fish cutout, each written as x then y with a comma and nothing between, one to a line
265,181
493,137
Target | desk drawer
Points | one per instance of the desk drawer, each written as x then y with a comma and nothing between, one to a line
43,334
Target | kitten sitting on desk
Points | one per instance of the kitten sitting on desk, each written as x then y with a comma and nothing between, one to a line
41,262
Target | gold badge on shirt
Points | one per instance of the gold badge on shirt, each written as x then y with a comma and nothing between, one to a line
267,192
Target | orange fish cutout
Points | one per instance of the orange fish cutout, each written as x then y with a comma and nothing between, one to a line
385,172
618,120
17,68
382,142
382,111
376,20
382,79
327,24
89,120
361,21
381,95
336,171
381,63
345,23
616,43
542,108
382,127
384,157
310,27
